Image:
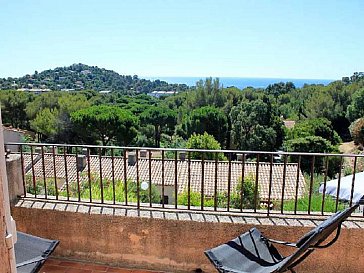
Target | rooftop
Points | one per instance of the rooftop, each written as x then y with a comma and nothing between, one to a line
57,165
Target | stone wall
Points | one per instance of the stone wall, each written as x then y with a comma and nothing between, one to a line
118,237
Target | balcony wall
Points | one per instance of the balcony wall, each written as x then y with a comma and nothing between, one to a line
172,241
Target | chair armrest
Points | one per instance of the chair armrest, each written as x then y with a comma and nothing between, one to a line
279,242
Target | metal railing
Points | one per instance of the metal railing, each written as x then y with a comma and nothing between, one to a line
186,179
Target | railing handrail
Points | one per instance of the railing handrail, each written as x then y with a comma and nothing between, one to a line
185,149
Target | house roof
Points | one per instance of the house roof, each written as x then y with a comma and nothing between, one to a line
289,123
169,173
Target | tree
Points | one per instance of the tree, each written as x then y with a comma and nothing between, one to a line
204,142
314,127
14,104
67,104
314,144
60,105
357,76
357,131
207,119
161,118
208,92
256,126
46,100
331,102
45,124
280,88
356,108
106,123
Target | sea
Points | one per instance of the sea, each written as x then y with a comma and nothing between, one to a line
243,82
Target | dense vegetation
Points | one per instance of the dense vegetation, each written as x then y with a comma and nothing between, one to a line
81,76
206,116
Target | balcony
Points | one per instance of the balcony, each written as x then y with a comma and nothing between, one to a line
158,209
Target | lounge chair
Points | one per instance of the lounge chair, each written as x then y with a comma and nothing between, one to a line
254,253
31,252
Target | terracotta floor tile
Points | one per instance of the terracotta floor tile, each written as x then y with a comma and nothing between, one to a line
95,267
52,269
71,264
118,270
78,270
124,270
54,265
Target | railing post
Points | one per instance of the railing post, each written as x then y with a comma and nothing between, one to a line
229,184
324,190
311,185
242,182
215,184
175,180
283,182
256,184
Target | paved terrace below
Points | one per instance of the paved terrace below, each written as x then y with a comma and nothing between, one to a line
173,241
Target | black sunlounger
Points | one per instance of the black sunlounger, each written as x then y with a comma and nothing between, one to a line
31,252
254,253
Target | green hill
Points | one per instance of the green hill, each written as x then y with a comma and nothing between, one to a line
81,76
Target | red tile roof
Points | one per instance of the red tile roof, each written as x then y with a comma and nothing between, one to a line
182,173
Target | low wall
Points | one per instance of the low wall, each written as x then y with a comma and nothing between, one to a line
169,245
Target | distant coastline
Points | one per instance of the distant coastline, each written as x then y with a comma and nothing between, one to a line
241,82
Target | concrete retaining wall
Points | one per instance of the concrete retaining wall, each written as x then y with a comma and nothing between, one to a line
169,245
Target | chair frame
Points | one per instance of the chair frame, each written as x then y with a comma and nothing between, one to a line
312,240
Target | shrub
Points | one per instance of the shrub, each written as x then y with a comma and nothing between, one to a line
248,190
39,186
205,142
235,196
314,144
94,186
357,131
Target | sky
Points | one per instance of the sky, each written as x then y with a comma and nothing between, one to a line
310,39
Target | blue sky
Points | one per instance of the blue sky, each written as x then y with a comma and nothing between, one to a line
280,39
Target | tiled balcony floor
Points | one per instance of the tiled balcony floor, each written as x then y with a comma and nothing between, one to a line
53,265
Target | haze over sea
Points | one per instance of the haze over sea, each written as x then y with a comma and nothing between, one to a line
242,82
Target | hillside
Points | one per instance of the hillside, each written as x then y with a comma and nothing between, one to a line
81,76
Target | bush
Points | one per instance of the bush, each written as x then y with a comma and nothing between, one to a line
320,127
314,144
207,119
40,186
357,131
205,142
222,197
108,189
248,190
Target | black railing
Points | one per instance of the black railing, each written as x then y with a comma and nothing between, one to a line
216,180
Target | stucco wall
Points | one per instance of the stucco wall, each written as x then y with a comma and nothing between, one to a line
15,180
169,245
